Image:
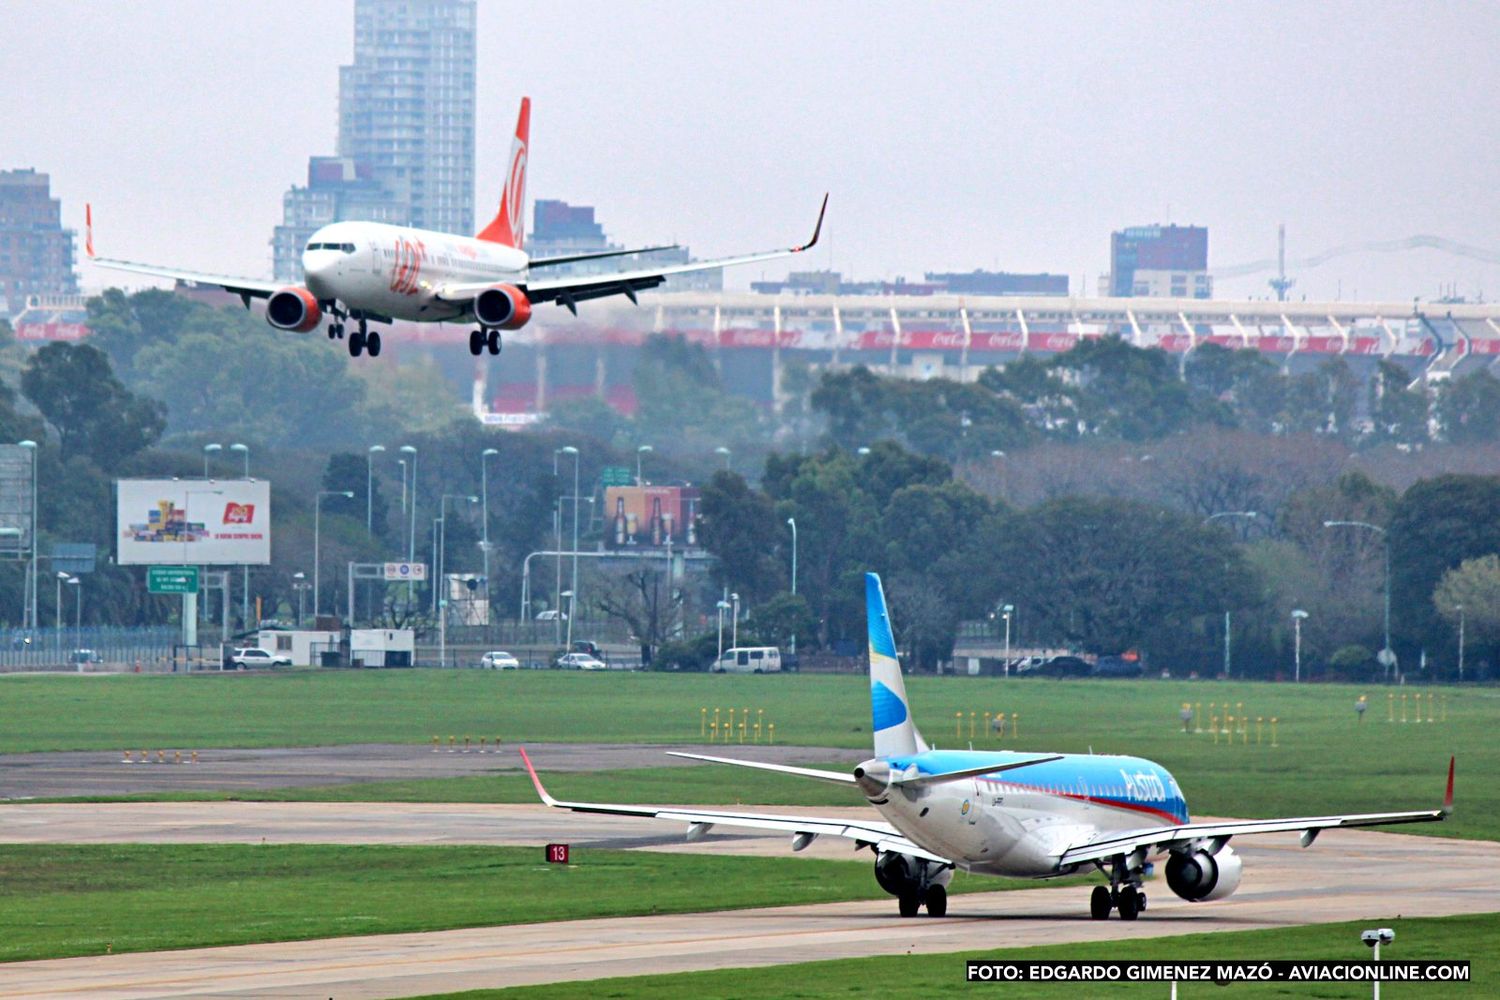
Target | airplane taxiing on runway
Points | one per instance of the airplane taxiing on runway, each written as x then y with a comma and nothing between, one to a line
1004,813
371,272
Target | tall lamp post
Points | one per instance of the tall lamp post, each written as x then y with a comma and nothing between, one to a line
370,453
31,570
1387,657
244,450
411,533
1297,616
317,538
1460,609
61,579
484,512
725,454
793,522
734,631
573,601
208,450
77,584
1251,514
300,585
1006,612
722,606
442,550
641,450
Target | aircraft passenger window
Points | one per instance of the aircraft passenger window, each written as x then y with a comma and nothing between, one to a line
348,247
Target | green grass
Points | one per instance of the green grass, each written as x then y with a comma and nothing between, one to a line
918,977
62,901
1339,766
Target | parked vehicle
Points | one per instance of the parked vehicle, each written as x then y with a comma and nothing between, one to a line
552,615
580,661
499,660
80,657
253,656
749,660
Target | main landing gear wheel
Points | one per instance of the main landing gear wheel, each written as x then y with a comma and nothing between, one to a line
909,904
1100,904
493,341
937,901
477,341
1130,903
372,344
356,344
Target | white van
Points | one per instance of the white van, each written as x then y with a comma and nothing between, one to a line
749,660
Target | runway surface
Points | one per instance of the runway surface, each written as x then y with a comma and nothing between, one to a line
1348,875
104,772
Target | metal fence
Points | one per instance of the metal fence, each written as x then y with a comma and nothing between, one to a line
93,647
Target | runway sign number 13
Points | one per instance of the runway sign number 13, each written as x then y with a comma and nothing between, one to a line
557,854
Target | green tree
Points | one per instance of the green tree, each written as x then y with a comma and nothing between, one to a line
680,397
1468,409
1471,592
94,415
739,527
1398,409
774,622
1128,392
1436,525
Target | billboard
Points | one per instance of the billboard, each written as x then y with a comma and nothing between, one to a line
198,522
651,515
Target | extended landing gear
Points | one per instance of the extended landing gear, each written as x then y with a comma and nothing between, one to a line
482,340
914,882
1124,894
363,340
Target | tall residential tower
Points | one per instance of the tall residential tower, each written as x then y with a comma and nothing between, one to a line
406,129
36,252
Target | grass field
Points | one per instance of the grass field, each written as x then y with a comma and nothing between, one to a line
71,900
1340,766
918,977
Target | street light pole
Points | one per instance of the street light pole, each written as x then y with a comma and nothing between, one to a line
725,454
77,585
722,607
793,522
573,601
1297,617
317,539
370,454
411,534
1008,610
31,571
734,634
1252,514
442,550
484,490
299,584
208,450
1387,657
61,576
1460,643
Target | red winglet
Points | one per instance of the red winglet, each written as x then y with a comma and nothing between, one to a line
1448,798
88,230
534,779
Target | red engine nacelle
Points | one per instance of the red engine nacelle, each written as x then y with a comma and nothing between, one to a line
294,308
503,307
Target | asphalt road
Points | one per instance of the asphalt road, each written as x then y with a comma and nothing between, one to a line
1347,875
99,772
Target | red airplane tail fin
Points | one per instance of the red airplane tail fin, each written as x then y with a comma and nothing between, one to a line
509,224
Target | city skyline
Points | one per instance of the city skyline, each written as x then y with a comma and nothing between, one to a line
1021,148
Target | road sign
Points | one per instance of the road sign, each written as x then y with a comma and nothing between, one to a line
617,475
405,571
172,579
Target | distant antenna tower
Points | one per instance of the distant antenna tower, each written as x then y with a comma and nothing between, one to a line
1281,282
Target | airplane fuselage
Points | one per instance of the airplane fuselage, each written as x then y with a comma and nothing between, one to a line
1018,823
394,271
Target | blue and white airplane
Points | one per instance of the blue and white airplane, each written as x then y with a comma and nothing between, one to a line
1011,814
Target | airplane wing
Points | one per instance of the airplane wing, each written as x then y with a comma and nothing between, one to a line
1160,838
881,836
245,288
570,291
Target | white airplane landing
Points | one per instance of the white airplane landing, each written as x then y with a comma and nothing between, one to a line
1010,814
370,272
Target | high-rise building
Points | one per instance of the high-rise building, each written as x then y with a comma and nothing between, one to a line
406,129
36,252
1160,261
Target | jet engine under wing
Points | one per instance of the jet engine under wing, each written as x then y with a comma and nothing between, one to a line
1161,838
881,836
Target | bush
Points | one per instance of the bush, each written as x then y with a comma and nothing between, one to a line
687,654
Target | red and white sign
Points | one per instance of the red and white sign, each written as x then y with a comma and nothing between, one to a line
202,522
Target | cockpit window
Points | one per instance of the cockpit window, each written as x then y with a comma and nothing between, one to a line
342,247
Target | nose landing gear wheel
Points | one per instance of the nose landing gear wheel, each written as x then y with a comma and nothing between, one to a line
1100,903
937,901
493,341
476,342
372,344
356,344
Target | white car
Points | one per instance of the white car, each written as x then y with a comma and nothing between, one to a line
499,660
580,661
251,657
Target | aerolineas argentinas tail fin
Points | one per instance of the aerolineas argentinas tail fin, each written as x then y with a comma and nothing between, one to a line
890,711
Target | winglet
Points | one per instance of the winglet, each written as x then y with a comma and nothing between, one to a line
1448,798
546,799
88,229
816,229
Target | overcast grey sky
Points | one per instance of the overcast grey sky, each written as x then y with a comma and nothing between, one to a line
951,136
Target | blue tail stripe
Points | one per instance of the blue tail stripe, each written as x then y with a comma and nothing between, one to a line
886,706
881,640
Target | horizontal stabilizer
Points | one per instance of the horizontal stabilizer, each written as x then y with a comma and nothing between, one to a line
801,772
